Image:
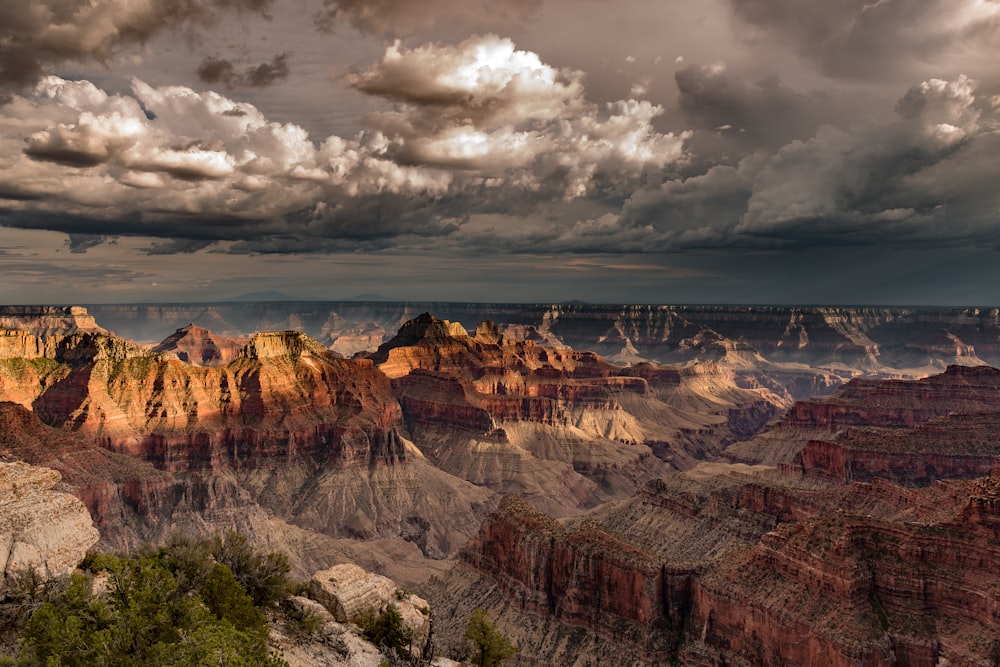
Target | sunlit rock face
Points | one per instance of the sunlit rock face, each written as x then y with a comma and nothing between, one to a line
200,347
48,321
562,427
286,442
807,351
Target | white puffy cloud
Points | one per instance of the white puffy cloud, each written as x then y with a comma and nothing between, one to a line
484,105
479,126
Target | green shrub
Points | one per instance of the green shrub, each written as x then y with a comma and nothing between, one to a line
228,600
171,606
490,646
385,630
265,576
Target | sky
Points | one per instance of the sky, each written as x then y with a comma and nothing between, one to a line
635,151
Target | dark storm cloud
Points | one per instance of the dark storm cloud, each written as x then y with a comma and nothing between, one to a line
926,178
477,147
80,243
177,246
38,34
221,70
399,18
881,38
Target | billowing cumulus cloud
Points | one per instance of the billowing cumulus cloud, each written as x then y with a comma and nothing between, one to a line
397,18
483,124
37,34
485,105
923,178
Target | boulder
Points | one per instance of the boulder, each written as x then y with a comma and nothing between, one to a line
41,530
347,590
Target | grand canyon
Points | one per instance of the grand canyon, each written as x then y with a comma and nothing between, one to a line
613,484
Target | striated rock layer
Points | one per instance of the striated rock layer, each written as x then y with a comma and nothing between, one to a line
564,428
285,434
810,580
912,432
812,349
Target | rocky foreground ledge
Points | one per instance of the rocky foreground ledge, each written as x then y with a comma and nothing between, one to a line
41,530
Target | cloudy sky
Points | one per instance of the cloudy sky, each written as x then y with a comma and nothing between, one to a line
668,151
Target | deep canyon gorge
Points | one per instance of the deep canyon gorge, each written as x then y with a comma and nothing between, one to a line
615,484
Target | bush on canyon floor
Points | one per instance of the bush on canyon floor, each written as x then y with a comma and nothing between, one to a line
175,605
491,647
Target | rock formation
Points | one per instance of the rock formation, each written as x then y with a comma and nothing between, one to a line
813,348
912,432
48,321
41,530
200,347
653,522
562,427
347,591
285,434
811,579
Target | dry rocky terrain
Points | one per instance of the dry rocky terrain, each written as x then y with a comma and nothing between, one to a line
602,513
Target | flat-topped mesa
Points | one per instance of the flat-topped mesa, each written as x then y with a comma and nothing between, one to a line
47,321
199,346
274,344
909,431
902,403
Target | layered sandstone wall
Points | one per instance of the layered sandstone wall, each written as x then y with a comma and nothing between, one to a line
584,578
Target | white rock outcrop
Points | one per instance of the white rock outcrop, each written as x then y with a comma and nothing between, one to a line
347,590
41,530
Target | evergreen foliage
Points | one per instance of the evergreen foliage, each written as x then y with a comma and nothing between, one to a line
491,647
386,630
171,606
265,576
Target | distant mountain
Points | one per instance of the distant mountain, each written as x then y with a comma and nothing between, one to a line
266,295
369,296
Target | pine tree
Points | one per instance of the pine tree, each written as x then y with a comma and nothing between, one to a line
491,647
